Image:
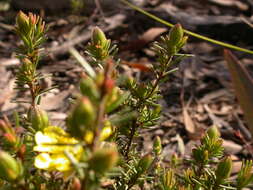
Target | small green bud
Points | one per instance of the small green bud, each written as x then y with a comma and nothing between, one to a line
89,88
223,169
157,146
182,42
22,21
82,118
144,163
98,37
206,156
38,118
213,133
176,34
129,81
103,160
174,160
10,169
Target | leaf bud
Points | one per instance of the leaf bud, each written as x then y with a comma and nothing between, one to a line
213,133
38,118
157,146
176,34
10,169
206,155
89,88
174,160
223,169
182,42
98,37
129,82
144,163
103,159
22,21
82,118
33,18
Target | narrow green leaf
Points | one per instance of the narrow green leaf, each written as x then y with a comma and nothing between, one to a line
243,85
187,31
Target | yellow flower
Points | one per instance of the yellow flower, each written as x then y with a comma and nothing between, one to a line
53,143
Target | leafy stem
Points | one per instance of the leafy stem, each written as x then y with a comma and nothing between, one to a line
131,137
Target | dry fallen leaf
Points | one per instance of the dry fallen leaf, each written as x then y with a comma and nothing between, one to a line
236,167
243,85
194,132
147,37
54,102
151,34
137,65
189,125
231,147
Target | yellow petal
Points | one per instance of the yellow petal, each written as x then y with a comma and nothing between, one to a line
40,138
55,149
61,163
57,134
53,140
43,161
77,151
55,131
42,148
